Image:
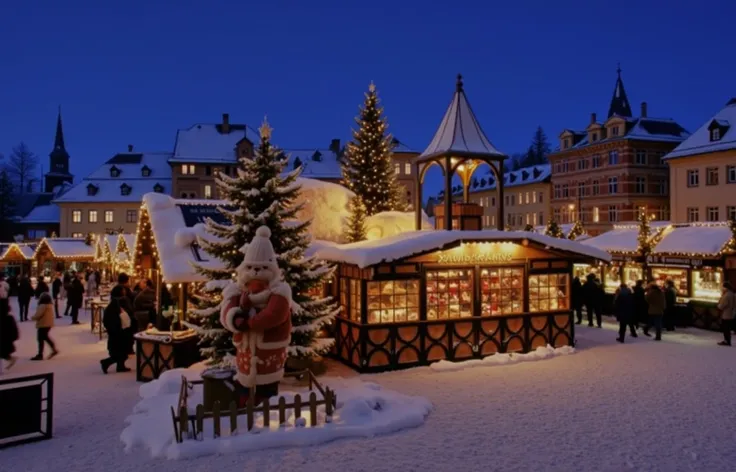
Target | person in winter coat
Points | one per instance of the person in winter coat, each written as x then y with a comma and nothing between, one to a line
640,304
670,297
591,296
144,306
656,305
41,288
75,297
44,319
91,284
25,293
126,299
623,308
56,287
727,307
260,319
577,299
8,336
4,295
66,285
118,325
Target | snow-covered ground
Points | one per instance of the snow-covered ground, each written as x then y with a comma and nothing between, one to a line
609,407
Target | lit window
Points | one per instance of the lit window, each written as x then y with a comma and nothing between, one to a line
526,197
77,235
715,134
131,216
407,168
500,291
208,191
712,213
393,301
548,292
397,168
108,216
188,169
521,199
596,215
92,216
76,216
534,197
693,178
692,215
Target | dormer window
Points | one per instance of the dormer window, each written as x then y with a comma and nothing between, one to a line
565,143
146,171
158,188
715,134
317,156
125,189
717,129
594,137
614,131
114,172
92,190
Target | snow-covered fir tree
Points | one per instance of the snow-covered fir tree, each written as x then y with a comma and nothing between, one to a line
263,194
367,167
356,230
576,231
554,230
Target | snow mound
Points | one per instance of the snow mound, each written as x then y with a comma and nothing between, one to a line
364,409
391,223
158,201
326,204
542,352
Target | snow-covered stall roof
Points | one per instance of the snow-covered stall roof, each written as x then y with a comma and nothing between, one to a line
701,141
68,248
694,239
24,250
369,253
623,238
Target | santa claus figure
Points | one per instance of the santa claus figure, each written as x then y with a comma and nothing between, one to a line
260,319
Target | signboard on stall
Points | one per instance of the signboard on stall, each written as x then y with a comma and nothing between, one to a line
674,260
622,258
195,214
483,254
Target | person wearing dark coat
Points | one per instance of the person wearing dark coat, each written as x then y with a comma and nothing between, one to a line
577,299
670,298
67,283
8,337
640,304
144,306
591,296
25,293
118,325
41,288
125,298
56,286
75,298
655,306
623,308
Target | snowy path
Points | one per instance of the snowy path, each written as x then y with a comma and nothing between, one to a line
639,406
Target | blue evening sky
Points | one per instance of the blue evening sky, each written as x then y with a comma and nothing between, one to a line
136,71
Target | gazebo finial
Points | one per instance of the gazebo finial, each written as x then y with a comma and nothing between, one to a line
459,84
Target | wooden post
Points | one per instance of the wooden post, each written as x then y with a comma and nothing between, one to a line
233,417
313,409
500,225
249,412
183,421
297,406
417,198
282,411
328,401
266,412
200,422
177,436
216,418
448,194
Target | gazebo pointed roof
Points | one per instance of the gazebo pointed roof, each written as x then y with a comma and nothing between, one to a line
460,134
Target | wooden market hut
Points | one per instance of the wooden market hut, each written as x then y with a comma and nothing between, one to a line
17,259
422,296
59,254
122,252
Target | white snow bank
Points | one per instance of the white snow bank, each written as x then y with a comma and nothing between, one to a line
364,409
391,223
542,352
326,204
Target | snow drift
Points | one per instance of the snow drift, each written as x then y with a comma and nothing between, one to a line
391,223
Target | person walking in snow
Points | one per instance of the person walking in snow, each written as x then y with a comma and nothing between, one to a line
118,325
670,297
41,288
75,297
44,319
8,336
623,308
727,307
91,284
56,289
577,299
591,299
126,299
4,295
25,293
640,304
656,305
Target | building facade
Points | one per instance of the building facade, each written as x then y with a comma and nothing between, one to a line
609,171
108,200
526,198
703,171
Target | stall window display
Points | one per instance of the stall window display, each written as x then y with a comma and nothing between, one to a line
707,283
350,310
613,278
632,273
393,301
548,292
678,276
449,294
344,298
582,270
501,291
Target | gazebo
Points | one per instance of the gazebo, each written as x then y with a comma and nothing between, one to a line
459,145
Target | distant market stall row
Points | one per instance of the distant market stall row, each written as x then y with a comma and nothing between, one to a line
696,257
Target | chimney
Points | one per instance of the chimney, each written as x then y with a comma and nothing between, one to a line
130,148
335,146
226,123
593,118
643,109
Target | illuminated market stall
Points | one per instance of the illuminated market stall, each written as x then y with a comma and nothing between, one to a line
60,254
123,253
423,296
17,259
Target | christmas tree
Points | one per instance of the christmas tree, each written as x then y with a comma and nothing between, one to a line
644,245
367,167
576,231
356,222
262,194
529,228
554,230
731,245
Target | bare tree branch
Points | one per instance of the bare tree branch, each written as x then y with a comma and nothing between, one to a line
21,166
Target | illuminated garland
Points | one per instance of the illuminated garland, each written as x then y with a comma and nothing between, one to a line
576,231
72,257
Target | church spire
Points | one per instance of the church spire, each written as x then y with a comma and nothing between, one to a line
59,139
619,102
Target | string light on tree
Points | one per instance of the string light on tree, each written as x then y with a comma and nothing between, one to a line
356,230
554,230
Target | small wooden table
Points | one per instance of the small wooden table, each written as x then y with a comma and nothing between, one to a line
159,351
97,307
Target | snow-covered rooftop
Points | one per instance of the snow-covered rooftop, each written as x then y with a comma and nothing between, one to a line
694,239
206,142
459,132
316,163
25,250
68,248
43,214
514,178
125,177
368,253
700,142
641,129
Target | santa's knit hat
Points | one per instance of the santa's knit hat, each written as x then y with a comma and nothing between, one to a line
260,250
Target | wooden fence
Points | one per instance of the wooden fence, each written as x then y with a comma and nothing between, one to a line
187,426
